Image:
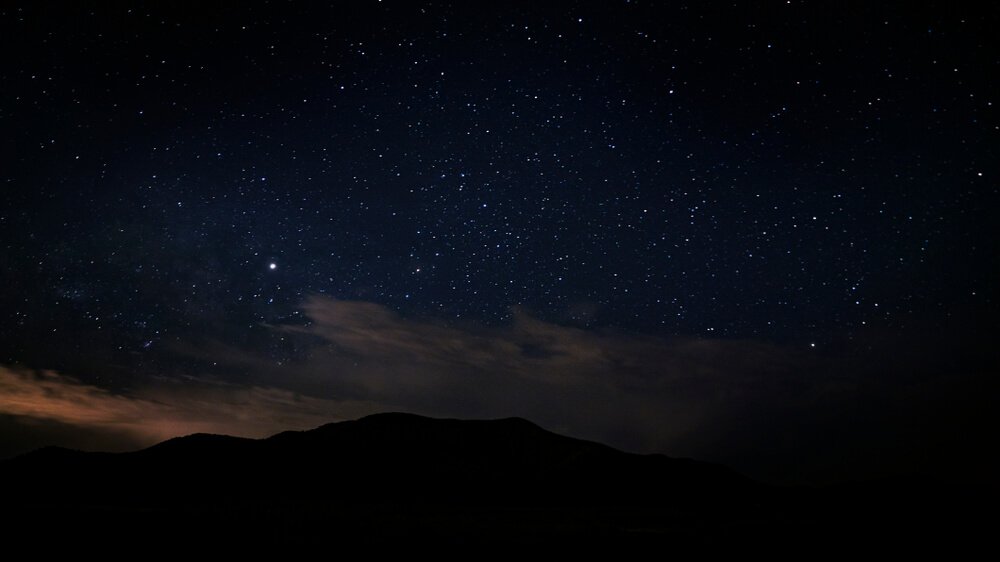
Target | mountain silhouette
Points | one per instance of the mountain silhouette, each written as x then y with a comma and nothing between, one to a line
396,477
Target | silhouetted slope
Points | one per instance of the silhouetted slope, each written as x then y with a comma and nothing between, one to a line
413,480
385,457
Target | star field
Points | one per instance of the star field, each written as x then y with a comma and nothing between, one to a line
804,174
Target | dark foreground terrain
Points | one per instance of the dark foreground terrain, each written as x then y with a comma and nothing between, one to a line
397,481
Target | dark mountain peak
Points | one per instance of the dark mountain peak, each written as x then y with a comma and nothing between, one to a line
392,457
200,438
389,428
422,430
196,451
196,441
407,471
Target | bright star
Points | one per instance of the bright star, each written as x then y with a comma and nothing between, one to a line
272,266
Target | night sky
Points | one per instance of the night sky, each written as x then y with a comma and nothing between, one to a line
757,234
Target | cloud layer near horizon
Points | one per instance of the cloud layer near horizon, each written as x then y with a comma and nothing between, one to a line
162,409
646,393
640,392
737,401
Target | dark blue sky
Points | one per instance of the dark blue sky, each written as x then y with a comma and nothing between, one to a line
816,180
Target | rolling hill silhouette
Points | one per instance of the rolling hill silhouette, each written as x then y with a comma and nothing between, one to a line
394,477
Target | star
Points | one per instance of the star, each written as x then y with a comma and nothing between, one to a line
616,210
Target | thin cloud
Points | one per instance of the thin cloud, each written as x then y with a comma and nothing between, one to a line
166,408
645,393
763,408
